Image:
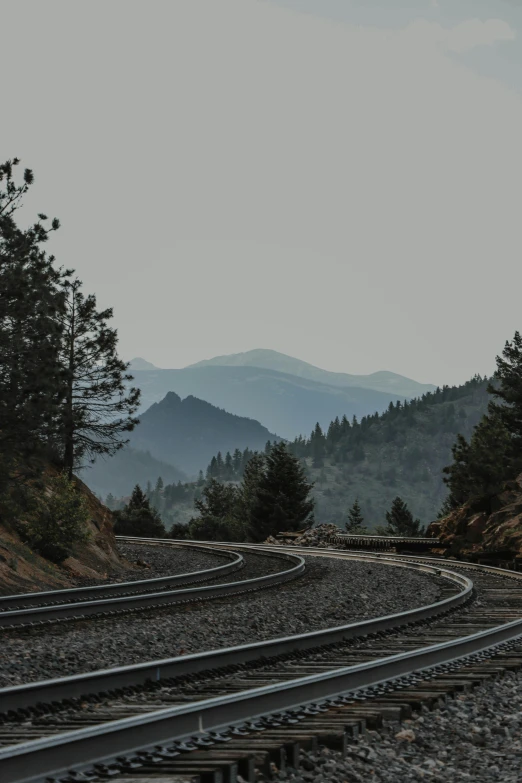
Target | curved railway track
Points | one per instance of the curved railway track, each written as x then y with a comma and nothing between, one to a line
176,716
75,603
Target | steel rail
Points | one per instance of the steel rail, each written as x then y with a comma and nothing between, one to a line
20,696
39,759
361,554
151,600
9,602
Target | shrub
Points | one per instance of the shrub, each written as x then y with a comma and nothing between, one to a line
61,523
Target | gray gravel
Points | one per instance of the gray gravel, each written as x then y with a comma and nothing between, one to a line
477,737
332,592
150,562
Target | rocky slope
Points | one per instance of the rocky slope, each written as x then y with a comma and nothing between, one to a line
22,570
471,533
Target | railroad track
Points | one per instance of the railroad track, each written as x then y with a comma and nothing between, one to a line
72,604
174,717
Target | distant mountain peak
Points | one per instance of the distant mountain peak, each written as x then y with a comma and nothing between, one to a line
170,400
268,359
141,364
190,432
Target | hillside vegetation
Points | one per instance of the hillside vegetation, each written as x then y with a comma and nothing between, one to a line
401,452
65,398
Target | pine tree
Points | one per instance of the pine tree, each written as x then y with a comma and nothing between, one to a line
283,499
508,391
248,490
218,519
317,441
236,463
110,501
138,518
355,522
480,466
30,332
97,407
400,521
228,469
212,470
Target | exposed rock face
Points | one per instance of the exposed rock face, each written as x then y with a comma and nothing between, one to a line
22,570
465,531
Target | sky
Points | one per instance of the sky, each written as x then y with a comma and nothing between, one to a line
339,180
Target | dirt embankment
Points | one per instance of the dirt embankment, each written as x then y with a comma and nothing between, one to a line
470,532
22,570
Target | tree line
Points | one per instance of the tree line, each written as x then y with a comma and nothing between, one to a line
273,495
64,392
347,441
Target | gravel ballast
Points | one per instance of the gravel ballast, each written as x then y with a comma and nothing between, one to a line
476,737
331,593
151,562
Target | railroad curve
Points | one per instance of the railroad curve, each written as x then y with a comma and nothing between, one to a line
166,730
75,603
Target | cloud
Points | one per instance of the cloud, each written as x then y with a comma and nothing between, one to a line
464,36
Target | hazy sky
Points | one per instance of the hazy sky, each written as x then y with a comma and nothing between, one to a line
338,180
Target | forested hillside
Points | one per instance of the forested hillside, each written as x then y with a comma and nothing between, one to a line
400,452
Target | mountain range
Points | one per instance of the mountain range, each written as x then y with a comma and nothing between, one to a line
384,381
286,395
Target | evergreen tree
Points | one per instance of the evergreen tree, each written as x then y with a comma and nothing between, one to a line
138,518
355,522
110,501
236,463
62,523
218,520
480,466
97,408
228,469
212,470
30,332
317,441
218,501
506,407
248,490
283,499
400,521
